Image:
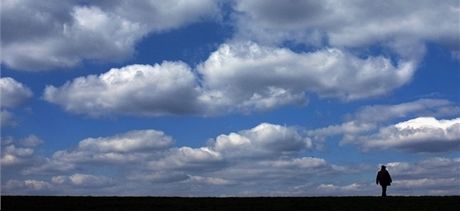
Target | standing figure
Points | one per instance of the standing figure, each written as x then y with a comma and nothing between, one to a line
384,179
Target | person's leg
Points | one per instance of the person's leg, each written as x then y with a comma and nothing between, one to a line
384,190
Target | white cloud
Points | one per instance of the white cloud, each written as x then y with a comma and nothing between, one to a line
246,72
368,120
421,107
13,93
167,88
263,140
213,169
209,180
132,141
17,152
87,180
36,184
135,158
238,77
186,158
423,134
117,149
59,34
434,176
355,24
350,189
27,185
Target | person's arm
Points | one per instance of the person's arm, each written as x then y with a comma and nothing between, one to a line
377,178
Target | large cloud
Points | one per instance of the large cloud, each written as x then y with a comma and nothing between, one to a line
58,34
167,88
399,25
237,77
423,134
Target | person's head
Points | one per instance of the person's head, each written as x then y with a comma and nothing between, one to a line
383,167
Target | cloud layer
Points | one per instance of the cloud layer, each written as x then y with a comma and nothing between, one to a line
267,152
265,160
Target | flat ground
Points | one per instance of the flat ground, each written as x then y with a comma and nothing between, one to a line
234,204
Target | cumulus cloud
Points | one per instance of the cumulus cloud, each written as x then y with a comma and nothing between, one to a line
161,169
263,140
377,125
423,134
200,159
17,152
167,88
60,34
251,72
356,24
434,176
273,153
130,146
13,93
237,77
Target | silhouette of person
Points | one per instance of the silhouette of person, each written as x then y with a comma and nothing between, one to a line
384,179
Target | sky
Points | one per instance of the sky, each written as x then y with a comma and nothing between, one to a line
229,97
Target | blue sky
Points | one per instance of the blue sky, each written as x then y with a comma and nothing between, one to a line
219,98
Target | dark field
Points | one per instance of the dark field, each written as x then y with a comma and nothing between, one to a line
257,203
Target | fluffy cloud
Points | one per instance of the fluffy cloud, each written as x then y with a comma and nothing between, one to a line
13,93
186,158
17,152
167,88
377,127
128,142
59,34
210,170
272,153
434,176
248,73
263,140
423,134
130,146
355,24
238,77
